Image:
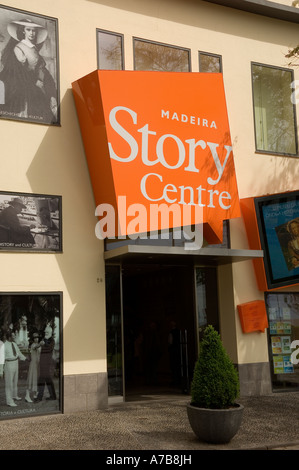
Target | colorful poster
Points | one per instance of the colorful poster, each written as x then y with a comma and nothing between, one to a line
279,218
287,327
286,344
278,365
273,313
276,345
288,367
286,313
273,328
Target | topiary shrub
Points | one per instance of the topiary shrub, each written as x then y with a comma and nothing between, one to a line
215,382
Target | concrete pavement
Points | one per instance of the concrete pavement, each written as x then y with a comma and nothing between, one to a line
155,423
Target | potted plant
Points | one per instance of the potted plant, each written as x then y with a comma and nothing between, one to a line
213,413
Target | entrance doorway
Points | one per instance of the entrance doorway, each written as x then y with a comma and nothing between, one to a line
159,329
155,316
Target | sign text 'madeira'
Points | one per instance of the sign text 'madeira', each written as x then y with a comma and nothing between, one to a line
185,118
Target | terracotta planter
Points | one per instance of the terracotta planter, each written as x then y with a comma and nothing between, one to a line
215,426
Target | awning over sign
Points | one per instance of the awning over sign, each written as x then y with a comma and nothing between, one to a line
177,255
158,142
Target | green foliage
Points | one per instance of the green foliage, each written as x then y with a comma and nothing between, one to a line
215,381
293,54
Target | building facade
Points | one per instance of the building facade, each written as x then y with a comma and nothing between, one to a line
96,305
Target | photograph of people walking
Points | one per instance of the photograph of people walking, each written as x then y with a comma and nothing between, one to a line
30,354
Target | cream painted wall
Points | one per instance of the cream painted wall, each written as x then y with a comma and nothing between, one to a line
227,318
51,160
288,3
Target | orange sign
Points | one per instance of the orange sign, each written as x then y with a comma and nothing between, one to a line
253,316
250,220
159,139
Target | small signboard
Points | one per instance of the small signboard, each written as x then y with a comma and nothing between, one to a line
253,316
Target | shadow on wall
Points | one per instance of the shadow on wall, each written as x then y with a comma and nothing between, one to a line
59,167
284,175
211,17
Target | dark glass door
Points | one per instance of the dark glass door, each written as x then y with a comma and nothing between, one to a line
159,329
206,298
114,330
283,335
156,315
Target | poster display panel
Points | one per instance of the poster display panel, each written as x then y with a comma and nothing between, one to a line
278,223
30,222
29,67
30,354
283,317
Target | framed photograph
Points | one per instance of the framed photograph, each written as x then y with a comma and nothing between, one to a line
29,67
30,222
278,222
30,354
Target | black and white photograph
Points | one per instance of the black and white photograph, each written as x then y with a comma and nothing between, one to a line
30,354
30,222
29,67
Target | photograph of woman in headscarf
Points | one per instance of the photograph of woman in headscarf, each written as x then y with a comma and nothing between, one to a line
29,90
288,236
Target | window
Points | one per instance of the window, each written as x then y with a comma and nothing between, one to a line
110,50
160,57
210,62
283,335
274,113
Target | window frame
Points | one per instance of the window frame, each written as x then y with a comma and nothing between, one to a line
271,152
111,33
218,56
134,38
